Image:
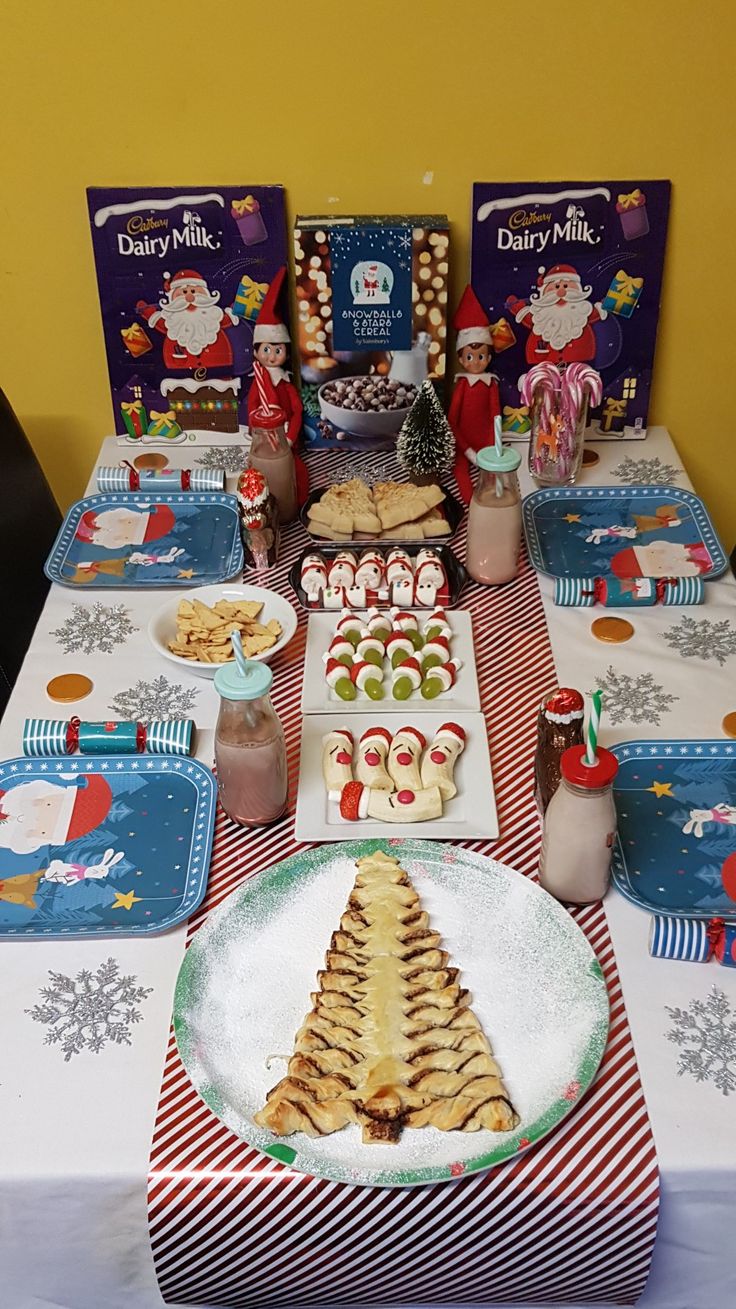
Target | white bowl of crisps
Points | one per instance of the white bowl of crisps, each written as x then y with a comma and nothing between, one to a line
193,630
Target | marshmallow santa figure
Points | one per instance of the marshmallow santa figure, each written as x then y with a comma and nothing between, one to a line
271,342
559,316
191,319
475,399
113,528
37,814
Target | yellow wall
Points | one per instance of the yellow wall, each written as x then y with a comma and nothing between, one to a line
361,101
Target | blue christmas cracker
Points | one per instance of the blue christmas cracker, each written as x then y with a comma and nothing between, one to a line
44,737
124,478
692,940
628,593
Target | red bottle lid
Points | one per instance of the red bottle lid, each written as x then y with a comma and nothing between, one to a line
268,419
593,777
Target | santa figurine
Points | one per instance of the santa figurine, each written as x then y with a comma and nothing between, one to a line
194,325
475,399
559,316
271,348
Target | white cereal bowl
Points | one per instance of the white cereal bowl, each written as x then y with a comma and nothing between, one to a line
162,627
368,422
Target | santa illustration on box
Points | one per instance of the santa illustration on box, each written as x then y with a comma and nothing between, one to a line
194,325
113,528
39,813
475,400
271,342
559,316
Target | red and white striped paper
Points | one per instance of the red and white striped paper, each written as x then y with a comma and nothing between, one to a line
573,1219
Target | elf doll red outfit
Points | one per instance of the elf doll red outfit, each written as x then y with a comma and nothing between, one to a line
270,347
475,399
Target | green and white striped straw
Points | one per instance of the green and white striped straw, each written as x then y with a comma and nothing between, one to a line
594,721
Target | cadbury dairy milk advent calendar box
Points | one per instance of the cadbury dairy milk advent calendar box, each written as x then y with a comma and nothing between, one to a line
371,295
573,271
182,273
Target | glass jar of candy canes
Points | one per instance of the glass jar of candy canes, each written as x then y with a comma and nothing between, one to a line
558,400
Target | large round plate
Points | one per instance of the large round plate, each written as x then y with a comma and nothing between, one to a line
537,988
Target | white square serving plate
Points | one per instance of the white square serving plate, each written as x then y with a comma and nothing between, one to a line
319,698
470,815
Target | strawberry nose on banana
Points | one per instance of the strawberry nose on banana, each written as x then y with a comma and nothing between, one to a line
404,758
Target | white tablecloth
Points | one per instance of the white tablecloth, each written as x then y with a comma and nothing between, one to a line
74,1136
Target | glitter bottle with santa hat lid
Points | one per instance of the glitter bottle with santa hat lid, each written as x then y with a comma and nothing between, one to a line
494,516
559,726
580,822
259,520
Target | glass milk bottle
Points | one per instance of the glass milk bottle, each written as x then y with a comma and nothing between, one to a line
494,518
250,750
272,455
580,828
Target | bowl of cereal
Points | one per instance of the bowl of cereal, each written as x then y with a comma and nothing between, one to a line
193,630
366,405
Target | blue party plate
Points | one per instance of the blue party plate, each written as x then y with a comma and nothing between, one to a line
116,846
132,539
675,851
627,531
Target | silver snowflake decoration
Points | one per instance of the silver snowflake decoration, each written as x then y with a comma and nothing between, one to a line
706,1033
159,699
230,457
98,627
88,1011
633,699
646,472
702,639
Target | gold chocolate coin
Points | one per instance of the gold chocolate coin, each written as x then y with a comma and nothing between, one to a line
590,457
152,460
612,629
729,724
68,686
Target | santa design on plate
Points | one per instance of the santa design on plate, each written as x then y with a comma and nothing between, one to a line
662,559
192,321
113,528
37,814
559,316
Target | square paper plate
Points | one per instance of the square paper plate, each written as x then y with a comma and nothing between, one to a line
131,539
319,698
470,815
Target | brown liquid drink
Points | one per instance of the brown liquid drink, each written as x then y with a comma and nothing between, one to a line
272,455
494,519
579,829
250,749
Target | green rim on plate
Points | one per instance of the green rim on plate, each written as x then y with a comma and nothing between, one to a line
551,948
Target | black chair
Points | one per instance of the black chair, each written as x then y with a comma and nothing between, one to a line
29,522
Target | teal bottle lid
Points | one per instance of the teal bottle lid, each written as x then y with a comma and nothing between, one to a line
232,684
492,462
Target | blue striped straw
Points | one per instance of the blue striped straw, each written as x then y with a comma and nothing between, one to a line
240,658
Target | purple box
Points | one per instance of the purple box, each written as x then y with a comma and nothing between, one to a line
561,263
180,272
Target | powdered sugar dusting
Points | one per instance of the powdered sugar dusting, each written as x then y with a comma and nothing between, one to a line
250,971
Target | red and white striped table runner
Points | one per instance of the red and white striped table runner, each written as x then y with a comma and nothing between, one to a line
573,1219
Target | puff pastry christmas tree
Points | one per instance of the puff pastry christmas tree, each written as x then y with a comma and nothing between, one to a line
391,1040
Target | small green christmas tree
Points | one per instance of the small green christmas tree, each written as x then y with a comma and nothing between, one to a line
425,445
384,285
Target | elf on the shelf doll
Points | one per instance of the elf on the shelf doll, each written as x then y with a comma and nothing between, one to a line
271,347
475,399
